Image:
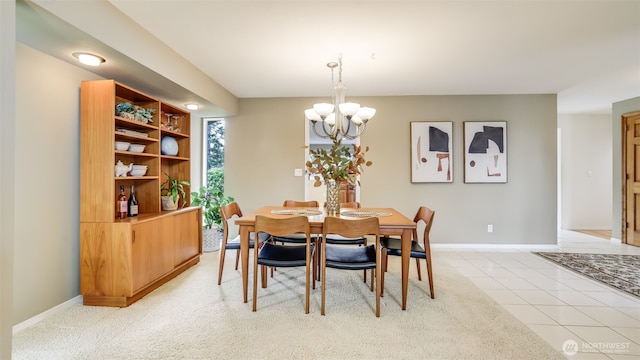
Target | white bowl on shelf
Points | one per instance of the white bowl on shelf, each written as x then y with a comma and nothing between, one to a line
122,145
136,148
140,171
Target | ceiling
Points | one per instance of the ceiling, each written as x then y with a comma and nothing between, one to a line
588,52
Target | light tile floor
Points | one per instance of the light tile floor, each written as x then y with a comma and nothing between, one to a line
558,304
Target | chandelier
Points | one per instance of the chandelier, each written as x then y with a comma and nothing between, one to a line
340,119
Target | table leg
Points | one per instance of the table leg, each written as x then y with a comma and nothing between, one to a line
244,254
406,257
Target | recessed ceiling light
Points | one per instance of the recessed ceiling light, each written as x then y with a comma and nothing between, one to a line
192,106
89,59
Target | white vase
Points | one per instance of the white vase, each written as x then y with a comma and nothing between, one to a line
211,239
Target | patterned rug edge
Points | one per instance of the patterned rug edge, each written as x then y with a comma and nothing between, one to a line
620,272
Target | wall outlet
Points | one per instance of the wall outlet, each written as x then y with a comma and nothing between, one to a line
297,172
489,228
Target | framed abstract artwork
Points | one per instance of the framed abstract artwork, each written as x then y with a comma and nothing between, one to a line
431,151
485,151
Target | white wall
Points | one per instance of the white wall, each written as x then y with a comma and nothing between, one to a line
46,270
7,166
586,173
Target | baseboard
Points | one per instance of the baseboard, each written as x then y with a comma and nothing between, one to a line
615,241
496,246
31,321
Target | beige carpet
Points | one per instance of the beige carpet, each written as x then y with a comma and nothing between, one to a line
192,317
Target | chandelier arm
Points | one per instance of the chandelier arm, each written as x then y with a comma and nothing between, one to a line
346,132
315,130
359,132
332,130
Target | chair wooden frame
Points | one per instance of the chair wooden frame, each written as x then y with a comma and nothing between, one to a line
279,258
296,203
351,229
229,211
392,246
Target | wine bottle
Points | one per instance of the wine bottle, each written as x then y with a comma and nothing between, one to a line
132,204
121,204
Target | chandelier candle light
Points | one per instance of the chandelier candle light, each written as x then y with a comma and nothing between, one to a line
340,119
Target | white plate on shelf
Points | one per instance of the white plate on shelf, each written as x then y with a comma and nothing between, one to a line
131,132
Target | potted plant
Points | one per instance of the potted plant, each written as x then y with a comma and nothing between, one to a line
142,114
211,198
125,110
334,166
171,191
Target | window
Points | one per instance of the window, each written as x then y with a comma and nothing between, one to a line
214,152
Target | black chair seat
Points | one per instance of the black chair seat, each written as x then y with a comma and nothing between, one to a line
337,239
350,258
283,256
235,243
394,247
294,238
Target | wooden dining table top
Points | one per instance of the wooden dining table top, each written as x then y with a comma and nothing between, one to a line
389,218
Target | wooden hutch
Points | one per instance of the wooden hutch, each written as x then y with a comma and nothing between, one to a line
123,260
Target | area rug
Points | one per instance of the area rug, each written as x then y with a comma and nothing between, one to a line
191,317
621,272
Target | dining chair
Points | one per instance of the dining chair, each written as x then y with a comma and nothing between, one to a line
296,238
393,246
349,257
341,240
274,255
229,211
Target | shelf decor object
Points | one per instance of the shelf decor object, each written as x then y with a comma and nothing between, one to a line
169,146
122,260
432,152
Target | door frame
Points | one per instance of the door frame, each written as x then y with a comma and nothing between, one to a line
624,118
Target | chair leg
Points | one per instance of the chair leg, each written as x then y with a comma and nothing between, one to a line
385,258
429,270
255,279
323,280
314,265
237,258
418,267
373,276
378,277
383,263
263,274
221,264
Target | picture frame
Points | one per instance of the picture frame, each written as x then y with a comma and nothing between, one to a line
432,152
485,152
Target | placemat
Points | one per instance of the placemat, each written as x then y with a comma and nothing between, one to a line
305,212
365,213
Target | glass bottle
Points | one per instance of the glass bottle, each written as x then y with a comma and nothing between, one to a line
121,204
132,203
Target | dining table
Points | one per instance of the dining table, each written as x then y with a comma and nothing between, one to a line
391,221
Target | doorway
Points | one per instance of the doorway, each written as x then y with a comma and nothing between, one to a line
348,192
631,179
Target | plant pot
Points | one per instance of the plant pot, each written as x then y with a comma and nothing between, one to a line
211,239
168,204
